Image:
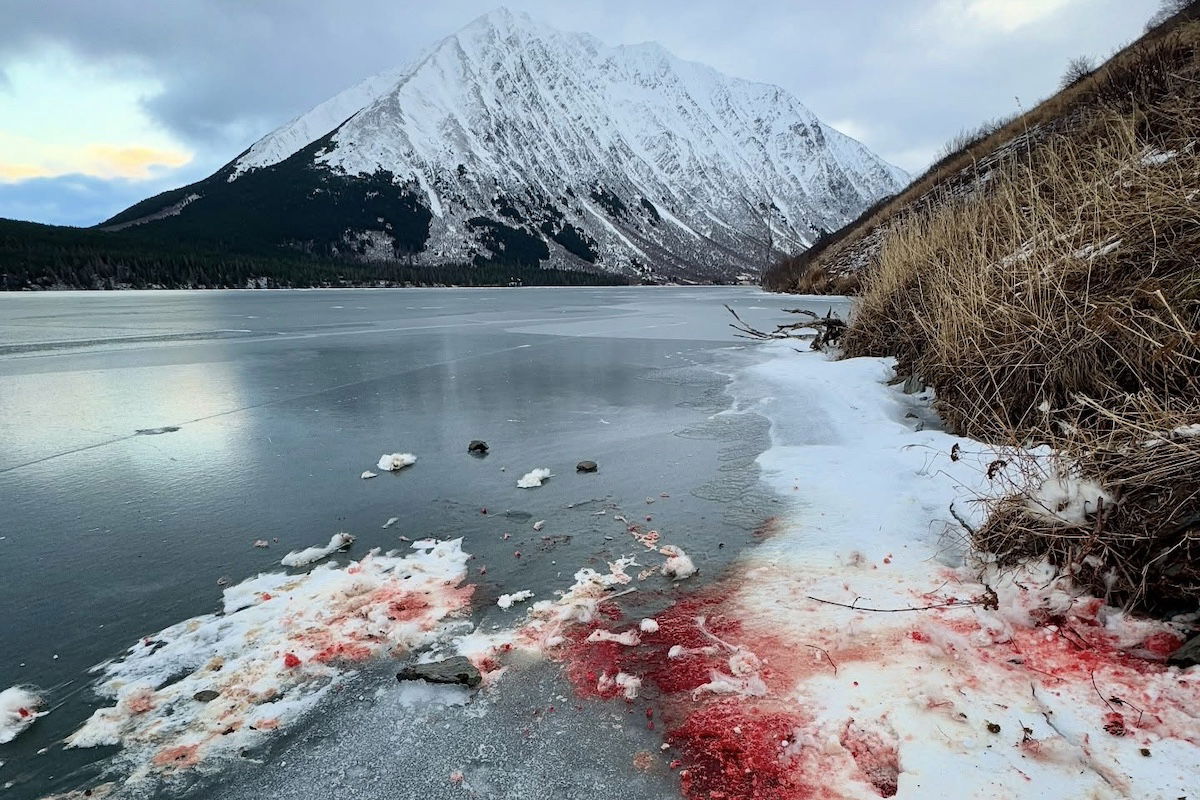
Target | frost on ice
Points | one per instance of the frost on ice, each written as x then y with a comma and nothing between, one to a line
310,555
18,709
368,474
214,684
391,462
533,478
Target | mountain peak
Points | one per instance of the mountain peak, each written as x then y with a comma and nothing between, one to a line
512,141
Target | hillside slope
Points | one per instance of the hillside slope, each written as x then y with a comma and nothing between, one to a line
1050,294
837,262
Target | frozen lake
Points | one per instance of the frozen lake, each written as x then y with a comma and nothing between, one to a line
271,404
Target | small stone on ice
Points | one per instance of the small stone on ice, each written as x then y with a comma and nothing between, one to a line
478,447
452,670
586,466
206,695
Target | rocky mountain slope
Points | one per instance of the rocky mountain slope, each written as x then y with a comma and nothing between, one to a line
512,142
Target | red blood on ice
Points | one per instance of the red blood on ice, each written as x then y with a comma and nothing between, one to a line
343,651
733,750
24,712
917,636
291,661
266,596
183,756
1162,643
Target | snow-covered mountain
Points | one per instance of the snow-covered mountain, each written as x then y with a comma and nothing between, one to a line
513,141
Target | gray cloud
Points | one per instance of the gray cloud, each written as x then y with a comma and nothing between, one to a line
904,75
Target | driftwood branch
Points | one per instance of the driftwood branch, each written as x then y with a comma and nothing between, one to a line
823,331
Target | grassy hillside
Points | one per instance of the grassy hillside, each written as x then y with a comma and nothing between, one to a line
36,256
1136,75
1050,294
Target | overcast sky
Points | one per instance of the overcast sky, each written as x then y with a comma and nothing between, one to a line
105,102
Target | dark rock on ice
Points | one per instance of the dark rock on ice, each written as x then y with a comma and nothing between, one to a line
1188,655
586,466
477,447
206,695
457,670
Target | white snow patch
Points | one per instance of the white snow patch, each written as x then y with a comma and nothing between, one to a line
533,478
507,600
367,474
395,461
678,564
648,625
18,709
309,555
1064,497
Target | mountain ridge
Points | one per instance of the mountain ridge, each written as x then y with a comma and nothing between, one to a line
523,143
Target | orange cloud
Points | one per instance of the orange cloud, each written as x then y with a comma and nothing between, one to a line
132,162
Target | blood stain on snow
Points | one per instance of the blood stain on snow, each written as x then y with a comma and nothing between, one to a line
181,757
877,759
643,761
733,750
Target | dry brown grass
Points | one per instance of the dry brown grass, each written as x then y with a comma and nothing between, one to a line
1135,77
1059,303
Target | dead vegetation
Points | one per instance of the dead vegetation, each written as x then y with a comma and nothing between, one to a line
1057,302
832,265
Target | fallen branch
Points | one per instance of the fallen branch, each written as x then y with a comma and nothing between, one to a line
853,607
823,331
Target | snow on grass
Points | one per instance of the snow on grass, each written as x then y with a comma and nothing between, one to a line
311,555
533,478
18,709
390,462
212,685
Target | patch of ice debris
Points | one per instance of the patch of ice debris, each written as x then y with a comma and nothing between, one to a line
391,462
627,684
311,555
368,474
678,564
206,688
507,600
628,638
18,709
533,478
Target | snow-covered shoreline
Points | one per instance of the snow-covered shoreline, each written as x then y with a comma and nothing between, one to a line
994,684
